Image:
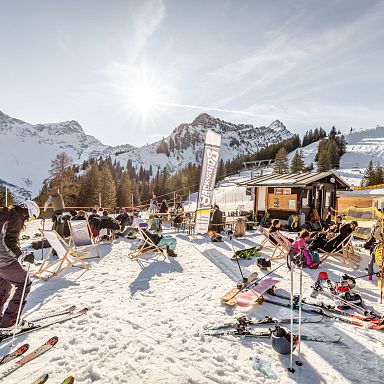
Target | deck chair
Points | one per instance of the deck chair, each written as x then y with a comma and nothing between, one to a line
67,256
343,252
282,247
81,236
146,245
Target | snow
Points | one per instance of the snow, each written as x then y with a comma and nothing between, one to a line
144,325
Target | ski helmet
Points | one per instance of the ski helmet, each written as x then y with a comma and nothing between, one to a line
281,341
32,207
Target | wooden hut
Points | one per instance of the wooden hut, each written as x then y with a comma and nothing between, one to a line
283,195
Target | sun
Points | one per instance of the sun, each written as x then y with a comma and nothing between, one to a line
144,99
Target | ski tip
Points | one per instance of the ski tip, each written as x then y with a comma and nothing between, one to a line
53,340
42,379
69,380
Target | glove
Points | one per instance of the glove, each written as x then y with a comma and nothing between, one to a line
27,258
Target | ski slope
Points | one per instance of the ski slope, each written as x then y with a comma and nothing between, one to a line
144,324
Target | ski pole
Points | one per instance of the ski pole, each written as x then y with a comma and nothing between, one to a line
291,369
237,260
298,361
42,240
20,306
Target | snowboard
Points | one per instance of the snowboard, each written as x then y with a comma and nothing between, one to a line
250,297
229,297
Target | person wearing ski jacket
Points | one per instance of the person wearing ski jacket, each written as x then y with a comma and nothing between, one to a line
12,273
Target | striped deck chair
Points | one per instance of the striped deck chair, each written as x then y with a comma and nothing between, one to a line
67,256
147,245
343,252
281,245
81,236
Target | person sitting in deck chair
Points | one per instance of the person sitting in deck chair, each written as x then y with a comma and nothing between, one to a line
123,219
81,215
109,223
334,243
161,241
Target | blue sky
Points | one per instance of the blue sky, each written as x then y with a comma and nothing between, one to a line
131,71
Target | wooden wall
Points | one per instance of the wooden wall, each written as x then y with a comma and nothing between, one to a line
360,202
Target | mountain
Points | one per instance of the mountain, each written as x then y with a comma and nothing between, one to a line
29,149
186,143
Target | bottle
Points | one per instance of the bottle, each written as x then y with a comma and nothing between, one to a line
263,366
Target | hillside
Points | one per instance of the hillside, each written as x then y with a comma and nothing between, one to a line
363,145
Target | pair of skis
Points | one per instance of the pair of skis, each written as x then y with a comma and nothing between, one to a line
45,321
30,356
42,379
331,312
244,331
243,321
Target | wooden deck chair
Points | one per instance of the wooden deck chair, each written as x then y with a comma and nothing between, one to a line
282,247
81,236
146,245
343,252
67,256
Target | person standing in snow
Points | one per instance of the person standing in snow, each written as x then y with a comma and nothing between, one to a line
12,273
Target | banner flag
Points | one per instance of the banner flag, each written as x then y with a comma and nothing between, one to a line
207,181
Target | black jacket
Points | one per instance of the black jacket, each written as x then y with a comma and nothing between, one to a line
11,224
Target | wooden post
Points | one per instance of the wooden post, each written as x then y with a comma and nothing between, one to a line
99,200
132,201
174,200
6,196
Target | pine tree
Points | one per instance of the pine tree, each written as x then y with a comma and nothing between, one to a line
324,163
90,187
332,149
369,176
297,164
107,188
124,191
280,164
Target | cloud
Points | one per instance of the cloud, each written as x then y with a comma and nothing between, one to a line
146,21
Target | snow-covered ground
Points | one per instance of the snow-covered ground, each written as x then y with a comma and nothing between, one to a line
144,324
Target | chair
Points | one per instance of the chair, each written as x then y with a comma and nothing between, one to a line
281,245
146,245
343,252
67,256
81,236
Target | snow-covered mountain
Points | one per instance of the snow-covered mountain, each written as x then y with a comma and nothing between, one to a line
27,150
186,142
363,145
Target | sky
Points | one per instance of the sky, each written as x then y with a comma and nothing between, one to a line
132,71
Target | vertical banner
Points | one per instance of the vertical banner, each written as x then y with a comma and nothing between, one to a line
207,180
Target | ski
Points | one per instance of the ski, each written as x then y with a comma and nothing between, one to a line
69,380
31,356
245,332
42,379
55,313
33,327
326,312
267,320
14,355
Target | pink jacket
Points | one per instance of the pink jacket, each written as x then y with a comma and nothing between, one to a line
299,243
